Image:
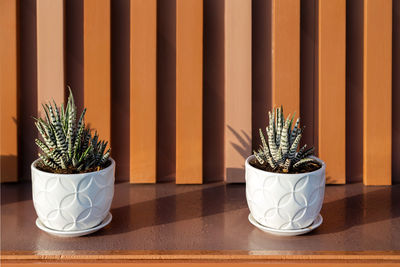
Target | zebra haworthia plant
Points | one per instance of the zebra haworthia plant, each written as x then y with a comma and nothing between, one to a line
280,151
68,145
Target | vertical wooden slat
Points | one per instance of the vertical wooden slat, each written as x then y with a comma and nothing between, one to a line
332,88
286,55
8,92
189,91
377,92
143,91
96,61
396,92
237,87
50,51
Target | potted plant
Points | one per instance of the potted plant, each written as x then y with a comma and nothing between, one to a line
285,185
73,178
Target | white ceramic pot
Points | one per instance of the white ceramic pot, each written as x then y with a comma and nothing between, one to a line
284,201
72,202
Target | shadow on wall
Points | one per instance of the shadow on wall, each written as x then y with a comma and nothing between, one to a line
120,87
242,147
9,174
261,66
354,92
28,87
166,82
213,92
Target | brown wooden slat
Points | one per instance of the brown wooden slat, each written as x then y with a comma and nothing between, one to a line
237,88
377,92
396,92
286,55
8,92
50,52
96,54
332,88
143,91
189,91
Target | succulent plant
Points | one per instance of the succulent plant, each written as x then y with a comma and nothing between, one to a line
68,145
280,153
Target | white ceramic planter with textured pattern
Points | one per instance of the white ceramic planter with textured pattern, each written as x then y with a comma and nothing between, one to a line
284,201
72,202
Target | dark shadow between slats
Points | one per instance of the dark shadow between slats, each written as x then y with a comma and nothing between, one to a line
27,132
261,67
213,91
354,90
120,86
309,72
166,93
74,50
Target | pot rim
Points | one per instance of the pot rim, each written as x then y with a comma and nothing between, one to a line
322,169
112,165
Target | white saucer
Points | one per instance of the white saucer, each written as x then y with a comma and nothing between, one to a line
317,222
105,222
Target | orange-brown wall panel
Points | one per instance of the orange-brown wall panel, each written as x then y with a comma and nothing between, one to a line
396,92
332,88
50,51
377,162
237,88
96,61
9,91
286,55
189,91
143,91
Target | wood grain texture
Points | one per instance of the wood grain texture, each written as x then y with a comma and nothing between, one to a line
215,263
396,93
286,55
189,91
237,88
332,88
9,91
205,256
50,52
143,91
96,61
377,158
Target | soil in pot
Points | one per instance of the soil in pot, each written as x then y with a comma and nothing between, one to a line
310,167
39,165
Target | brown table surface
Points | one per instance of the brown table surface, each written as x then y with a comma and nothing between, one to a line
168,221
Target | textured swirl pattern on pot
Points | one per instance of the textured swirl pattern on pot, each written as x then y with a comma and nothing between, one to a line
71,202
284,201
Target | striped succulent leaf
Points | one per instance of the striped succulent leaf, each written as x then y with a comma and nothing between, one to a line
272,145
285,138
278,126
281,147
294,131
66,143
303,162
